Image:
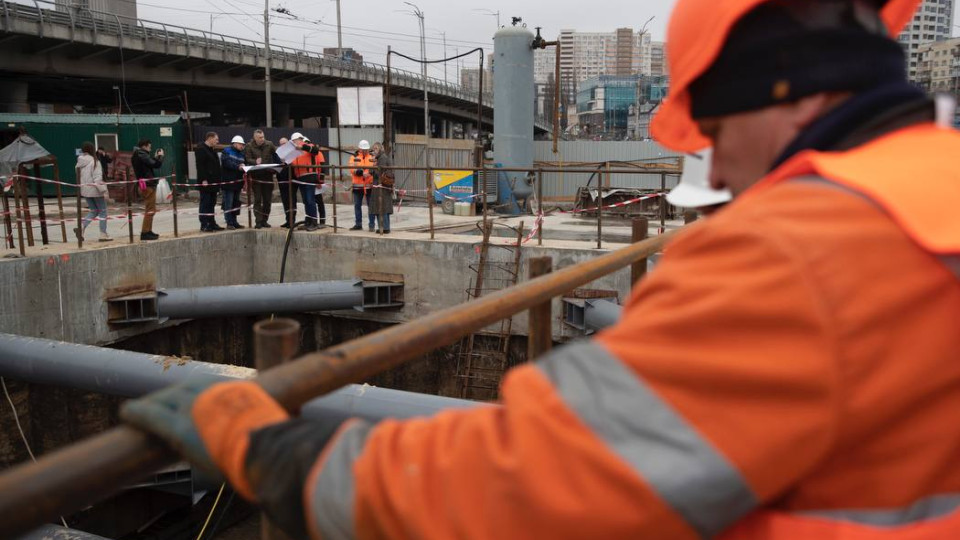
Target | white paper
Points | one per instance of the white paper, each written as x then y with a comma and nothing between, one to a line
274,166
288,152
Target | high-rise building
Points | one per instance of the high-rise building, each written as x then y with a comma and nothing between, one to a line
932,21
658,59
938,66
100,8
588,55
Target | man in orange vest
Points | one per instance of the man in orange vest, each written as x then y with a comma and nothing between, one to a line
361,170
307,171
790,371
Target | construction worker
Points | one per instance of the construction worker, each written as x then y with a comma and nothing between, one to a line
361,170
789,371
308,174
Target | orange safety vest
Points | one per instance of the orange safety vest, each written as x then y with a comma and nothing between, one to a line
789,373
307,159
366,162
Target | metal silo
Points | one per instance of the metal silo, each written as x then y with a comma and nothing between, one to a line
513,101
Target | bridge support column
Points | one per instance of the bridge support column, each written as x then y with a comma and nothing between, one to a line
13,97
216,115
282,114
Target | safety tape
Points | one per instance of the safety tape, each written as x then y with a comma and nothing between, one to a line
11,178
615,205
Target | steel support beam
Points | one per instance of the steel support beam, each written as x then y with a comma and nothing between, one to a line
590,315
240,300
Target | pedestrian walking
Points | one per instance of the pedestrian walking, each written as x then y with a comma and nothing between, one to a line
381,199
231,165
144,166
260,151
361,171
93,190
209,177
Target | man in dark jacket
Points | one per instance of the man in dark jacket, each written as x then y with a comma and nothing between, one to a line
208,181
143,166
105,160
231,161
260,152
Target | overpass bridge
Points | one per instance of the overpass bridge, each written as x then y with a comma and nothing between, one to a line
80,55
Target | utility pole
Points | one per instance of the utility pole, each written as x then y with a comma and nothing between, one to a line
339,34
426,95
444,34
266,73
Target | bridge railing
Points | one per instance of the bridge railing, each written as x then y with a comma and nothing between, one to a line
128,28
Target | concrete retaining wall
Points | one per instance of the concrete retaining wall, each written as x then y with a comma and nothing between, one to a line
62,297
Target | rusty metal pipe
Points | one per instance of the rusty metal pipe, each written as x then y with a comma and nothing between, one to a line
67,480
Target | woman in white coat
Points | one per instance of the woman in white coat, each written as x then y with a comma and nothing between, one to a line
93,189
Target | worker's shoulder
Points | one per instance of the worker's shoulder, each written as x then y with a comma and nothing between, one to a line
808,222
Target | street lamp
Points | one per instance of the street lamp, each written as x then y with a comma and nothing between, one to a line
215,16
418,13
492,13
305,36
444,34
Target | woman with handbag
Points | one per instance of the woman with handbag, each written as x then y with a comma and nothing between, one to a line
381,201
93,189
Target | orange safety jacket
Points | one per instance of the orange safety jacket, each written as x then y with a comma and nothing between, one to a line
790,371
308,159
365,163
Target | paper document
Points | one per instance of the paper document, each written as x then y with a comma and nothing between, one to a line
288,152
274,166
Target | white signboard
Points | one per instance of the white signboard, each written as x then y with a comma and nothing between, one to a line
360,106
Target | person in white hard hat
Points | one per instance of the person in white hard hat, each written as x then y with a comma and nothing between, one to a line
361,170
694,189
231,161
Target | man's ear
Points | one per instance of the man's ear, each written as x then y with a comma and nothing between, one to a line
809,108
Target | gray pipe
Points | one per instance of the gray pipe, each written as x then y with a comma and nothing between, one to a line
601,313
238,300
132,374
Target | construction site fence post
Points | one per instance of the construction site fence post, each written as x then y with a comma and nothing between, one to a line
25,204
7,222
79,229
599,206
130,189
41,209
16,202
640,231
63,224
176,224
275,341
541,218
430,193
540,339
335,178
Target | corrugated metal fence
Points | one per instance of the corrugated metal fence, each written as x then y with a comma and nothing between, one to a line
588,154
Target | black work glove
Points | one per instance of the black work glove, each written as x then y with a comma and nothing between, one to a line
358,172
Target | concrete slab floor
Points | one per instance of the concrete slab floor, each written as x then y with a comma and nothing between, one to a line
410,222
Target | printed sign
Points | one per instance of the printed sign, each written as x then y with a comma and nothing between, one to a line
166,132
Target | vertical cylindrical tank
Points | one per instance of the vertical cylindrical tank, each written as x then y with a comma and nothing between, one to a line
513,100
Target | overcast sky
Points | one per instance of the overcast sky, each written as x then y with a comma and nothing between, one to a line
365,24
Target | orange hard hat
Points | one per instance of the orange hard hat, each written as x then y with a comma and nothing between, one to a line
697,32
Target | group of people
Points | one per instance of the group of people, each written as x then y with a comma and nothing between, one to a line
372,180
222,171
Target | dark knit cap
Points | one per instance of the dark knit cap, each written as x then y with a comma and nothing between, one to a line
788,49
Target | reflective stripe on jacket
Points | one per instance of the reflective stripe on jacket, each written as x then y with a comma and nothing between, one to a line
366,163
789,372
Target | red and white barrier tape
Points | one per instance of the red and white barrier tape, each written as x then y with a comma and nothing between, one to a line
615,205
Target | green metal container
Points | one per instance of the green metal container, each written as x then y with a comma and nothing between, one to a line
63,134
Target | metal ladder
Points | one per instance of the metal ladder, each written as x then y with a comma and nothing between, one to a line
480,366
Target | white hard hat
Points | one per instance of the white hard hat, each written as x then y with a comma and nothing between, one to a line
364,145
237,139
296,136
694,189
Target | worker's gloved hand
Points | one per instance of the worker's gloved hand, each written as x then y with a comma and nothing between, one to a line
167,414
208,422
358,172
